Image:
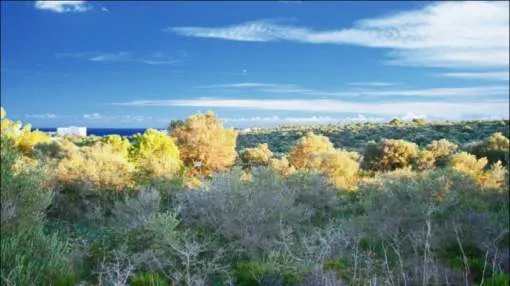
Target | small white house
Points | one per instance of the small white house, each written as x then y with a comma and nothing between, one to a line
72,130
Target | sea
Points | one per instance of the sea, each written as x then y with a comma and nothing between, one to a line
103,131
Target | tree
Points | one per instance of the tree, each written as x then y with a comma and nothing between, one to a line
389,154
339,166
155,156
468,164
424,161
119,144
441,150
24,138
396,122
282,166
259,155
96,167
301,155
202,139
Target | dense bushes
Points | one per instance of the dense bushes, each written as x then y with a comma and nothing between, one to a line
389,154
96,167
202,138
156,156
123,212
301,155
259,155
28,256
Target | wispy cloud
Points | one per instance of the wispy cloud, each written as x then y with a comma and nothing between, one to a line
242,85
157,58
42,116
449,110
372,83
116,118
93,116
478,75
63,6
271,120
421,37
418,92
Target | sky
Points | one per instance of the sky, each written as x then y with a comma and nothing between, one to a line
256,64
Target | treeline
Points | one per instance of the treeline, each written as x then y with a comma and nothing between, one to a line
186,208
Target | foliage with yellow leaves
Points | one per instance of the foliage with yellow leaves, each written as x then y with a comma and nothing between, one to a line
441,150
339,166
24,138
202,138
119,144
468,164
282,166
155,155
259,155
389,154
301,155
97,167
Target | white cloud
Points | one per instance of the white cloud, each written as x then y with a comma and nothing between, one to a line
242,85
93,116
372,83
421,92
440,109
444,34
410,116
117,118
120,56
157,58
478,75
42,116
63,6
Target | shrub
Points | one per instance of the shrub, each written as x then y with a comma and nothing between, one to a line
424,161
468,164
148,279
202,138
259,155
28,256
396,122
282,166
98,168
119,144
29,139
338,166
156,156
301,155
441,150
23,137
494,148
389,154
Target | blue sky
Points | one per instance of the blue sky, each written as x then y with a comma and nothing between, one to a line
142,64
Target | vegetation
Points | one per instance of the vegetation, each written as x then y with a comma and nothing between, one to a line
426,204
203,139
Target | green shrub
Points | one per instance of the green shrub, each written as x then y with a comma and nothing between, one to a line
148,279
389,154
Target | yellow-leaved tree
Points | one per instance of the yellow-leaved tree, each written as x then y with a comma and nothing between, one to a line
259,155
300,156
441,150
97,168
339,166
119,144
282,166
22,135
205,145
155,155
389,154
468,164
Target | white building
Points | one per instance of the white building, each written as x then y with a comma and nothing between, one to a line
72,130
